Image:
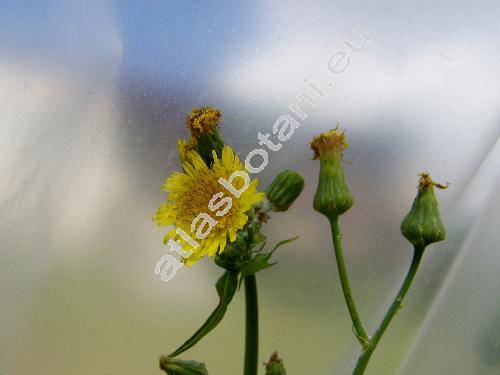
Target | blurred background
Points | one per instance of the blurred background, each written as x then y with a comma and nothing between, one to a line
93,96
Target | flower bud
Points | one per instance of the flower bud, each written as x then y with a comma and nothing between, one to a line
423,224
203,122
275,366
173,366
332,196
285,188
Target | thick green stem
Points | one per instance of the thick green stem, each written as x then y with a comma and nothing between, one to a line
393,309
252,326
344,281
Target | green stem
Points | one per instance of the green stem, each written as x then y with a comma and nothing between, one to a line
393,309
252,326
344,281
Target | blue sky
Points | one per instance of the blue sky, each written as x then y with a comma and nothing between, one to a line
158,37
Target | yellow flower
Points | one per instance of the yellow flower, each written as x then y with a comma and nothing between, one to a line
185,147
189,194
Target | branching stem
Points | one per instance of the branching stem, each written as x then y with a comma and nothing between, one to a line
393,309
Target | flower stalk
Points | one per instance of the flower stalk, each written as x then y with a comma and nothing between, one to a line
332,199
251,326
359,330
393,309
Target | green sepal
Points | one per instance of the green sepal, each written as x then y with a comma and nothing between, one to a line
208,142
423,225
226,288
332,197
174,366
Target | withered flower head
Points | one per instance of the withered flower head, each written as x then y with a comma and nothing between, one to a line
423,224
332,141
203,120
332,196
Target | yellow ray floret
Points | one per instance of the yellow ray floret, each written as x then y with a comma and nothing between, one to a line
189,194
184,147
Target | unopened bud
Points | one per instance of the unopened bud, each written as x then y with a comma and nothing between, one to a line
285,188
173,366
275,366
332,196
423,224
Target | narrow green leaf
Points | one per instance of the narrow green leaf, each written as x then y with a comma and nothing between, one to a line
226,288
260,261
284,242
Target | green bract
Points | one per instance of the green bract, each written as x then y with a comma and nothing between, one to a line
332,197
275,366
207,142
179,367
203,122
423,224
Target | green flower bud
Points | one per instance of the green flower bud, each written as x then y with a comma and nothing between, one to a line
204,123
332,196
173,366
285,188
423,224
275,366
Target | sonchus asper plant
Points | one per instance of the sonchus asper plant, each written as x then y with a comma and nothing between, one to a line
235,239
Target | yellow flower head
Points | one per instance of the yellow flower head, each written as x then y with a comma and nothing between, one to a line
191,191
